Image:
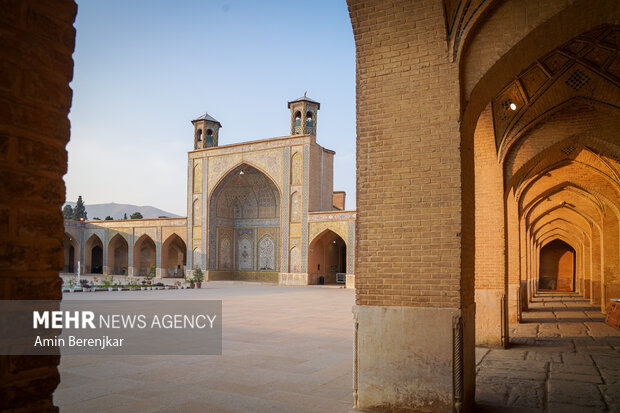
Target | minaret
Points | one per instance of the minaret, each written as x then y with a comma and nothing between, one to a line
303,115
206,131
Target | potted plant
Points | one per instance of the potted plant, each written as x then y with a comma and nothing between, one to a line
72,281
107,282
177,284
198,277
190,281
148,277
143,282
95,281
119,286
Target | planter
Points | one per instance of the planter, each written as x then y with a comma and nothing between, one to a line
110,289
120,288
191,285
142,288
199,285
71,290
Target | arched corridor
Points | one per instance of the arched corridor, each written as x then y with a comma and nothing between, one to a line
327,257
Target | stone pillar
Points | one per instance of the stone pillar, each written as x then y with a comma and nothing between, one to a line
35,61
158,272
350,282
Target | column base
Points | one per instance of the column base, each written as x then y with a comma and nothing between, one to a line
414,358
489,315
513,303
107,270
130,271
350,283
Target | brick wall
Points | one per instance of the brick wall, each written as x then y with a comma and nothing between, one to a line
408,158
36,43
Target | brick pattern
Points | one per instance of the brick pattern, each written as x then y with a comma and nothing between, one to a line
37,40
490,236
408,158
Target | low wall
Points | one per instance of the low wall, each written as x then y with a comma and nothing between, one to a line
259,276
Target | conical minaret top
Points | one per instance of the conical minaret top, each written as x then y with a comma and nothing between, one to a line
303,115
206,131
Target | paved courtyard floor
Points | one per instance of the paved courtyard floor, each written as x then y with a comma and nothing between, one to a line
289,349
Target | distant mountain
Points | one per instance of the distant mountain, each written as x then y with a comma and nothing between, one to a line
116,211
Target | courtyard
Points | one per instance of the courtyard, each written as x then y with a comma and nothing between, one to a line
288,349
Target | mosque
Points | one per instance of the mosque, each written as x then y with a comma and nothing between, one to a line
257,211
488,172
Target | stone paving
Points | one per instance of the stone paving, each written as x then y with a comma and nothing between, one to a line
562,358
289,349
285,349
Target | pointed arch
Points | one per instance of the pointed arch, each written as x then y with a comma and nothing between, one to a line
244,206
267,254
296,207
144,255
245,253
118,255
294,260
327,256
93,255
173,256
71,252
225,253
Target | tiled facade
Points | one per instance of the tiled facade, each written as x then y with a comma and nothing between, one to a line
244,200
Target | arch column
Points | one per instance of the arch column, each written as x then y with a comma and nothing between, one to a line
158,271
130,270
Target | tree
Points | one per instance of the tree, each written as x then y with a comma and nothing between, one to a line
109,218
136,215
97,219
125,215
79,211
67,212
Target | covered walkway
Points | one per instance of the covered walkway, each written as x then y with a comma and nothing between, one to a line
562,358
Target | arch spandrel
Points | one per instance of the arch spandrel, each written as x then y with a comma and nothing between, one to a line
181,232
268,162
151,232
318,228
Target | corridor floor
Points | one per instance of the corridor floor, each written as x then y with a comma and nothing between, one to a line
562,358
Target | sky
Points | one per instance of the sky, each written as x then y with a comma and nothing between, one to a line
144,69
